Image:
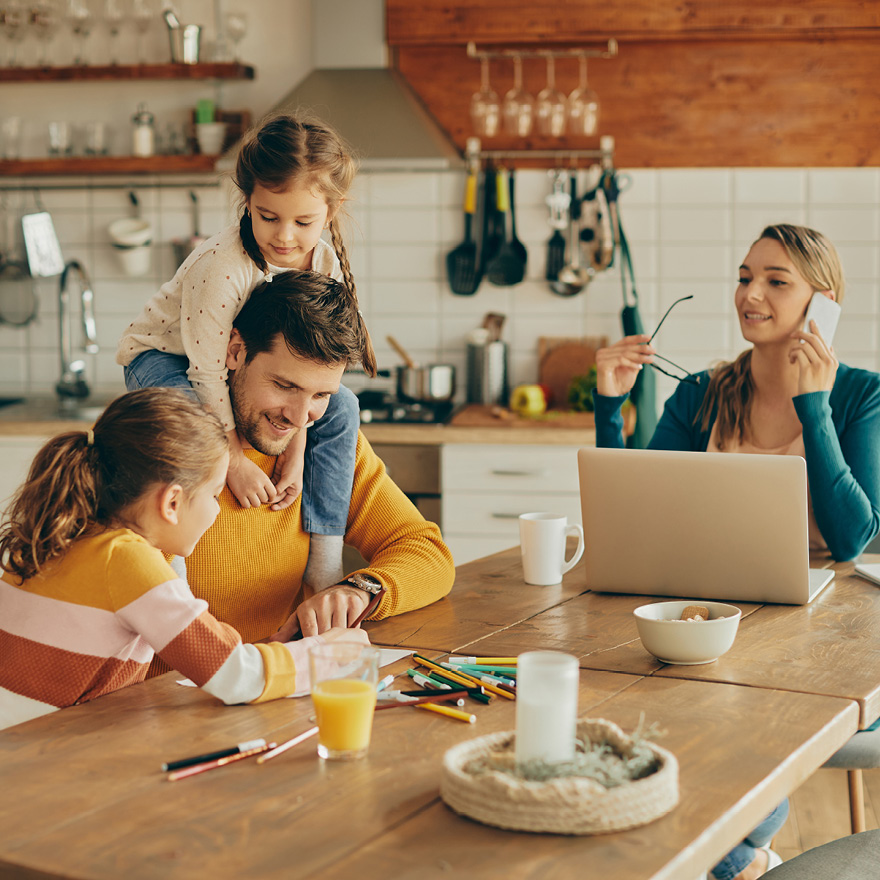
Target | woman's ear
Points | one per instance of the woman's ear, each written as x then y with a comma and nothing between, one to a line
170,503
830,294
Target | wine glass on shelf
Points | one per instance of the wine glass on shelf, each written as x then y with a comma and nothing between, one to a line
81,21
583,105
143,17
13,19
236,28
485,108
45,20
113,18
552,108
518,109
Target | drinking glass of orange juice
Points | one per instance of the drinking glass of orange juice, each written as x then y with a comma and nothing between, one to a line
344,677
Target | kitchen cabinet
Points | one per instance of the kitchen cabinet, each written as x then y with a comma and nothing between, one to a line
486,487
694,85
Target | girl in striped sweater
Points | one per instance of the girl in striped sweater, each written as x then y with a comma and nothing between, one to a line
86,596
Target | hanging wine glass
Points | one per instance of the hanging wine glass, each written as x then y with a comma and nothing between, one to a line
583,105
45,20
13,19
81,20
113,19
485,109
236,28
142,16
518,109
552,109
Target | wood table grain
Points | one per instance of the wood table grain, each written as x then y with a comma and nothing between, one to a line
82,795
488,595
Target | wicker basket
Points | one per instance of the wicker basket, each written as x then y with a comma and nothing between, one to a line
566,805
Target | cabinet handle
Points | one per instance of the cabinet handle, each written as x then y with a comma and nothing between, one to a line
505,516
504,473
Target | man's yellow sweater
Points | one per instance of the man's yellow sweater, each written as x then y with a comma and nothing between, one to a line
249,564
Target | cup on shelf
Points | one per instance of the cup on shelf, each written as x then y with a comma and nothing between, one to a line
97,139
60,138
10,138
132,237
209,136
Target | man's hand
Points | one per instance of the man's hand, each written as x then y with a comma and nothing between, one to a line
335,606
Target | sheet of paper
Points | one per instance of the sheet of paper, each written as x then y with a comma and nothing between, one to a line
870,571
387,656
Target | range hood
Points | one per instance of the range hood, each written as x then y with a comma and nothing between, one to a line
352,87
377,113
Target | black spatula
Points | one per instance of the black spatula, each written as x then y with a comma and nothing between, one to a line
506,268
461,261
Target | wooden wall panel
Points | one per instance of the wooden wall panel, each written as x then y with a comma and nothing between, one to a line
431,22
752,103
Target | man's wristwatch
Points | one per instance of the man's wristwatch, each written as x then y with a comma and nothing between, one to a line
362,582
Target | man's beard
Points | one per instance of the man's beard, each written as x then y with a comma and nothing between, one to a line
249,422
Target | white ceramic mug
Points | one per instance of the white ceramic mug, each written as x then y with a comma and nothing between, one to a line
542,537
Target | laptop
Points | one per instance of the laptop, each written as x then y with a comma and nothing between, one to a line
707,525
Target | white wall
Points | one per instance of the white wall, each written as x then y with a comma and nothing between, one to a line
689,230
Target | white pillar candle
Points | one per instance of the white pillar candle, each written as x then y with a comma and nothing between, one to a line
546,706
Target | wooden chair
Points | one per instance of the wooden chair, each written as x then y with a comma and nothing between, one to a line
862,752
851,858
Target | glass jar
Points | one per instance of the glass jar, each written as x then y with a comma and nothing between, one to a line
144,133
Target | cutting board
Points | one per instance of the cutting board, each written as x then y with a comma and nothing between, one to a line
560,360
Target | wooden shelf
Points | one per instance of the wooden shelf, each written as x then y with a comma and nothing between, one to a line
117,72
76,165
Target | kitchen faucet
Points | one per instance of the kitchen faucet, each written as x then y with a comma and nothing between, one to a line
72,385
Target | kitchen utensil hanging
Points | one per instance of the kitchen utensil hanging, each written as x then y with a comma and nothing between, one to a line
573,277
461,261
18,295
41,243
558,202
506,267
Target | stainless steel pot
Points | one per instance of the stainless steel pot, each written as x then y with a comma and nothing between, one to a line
433,383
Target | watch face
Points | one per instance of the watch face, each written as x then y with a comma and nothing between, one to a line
365,582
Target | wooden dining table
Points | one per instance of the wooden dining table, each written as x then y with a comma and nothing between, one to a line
82,794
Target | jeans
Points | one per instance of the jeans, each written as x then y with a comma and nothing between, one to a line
743,854
331,442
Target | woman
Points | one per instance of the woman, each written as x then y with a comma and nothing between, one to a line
787,394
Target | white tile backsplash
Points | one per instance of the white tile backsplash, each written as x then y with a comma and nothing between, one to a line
688,229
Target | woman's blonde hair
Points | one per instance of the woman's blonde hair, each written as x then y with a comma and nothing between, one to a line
284,150
731,388
86,479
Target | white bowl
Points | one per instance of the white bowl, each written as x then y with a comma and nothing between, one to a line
682,642
130,232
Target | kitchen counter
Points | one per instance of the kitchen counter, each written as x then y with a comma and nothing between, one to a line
41,417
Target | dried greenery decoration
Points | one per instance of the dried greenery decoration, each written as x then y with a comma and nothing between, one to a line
600,761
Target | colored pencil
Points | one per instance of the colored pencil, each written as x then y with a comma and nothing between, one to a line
287,745
220,762
417,701
493,688
450,713
213,756
372,605
499,661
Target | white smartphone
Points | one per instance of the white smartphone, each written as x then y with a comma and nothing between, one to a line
825,312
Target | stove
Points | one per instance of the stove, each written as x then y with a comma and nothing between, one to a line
382,407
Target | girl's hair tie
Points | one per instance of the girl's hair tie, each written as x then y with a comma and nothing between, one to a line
90,437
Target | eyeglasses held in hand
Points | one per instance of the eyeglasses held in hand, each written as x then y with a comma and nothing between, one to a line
688,376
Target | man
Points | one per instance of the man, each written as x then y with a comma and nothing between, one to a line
291,343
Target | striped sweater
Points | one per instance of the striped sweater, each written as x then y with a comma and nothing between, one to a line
92,620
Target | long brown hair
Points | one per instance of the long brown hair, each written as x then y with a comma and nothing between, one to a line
86,479
284,150
731,388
